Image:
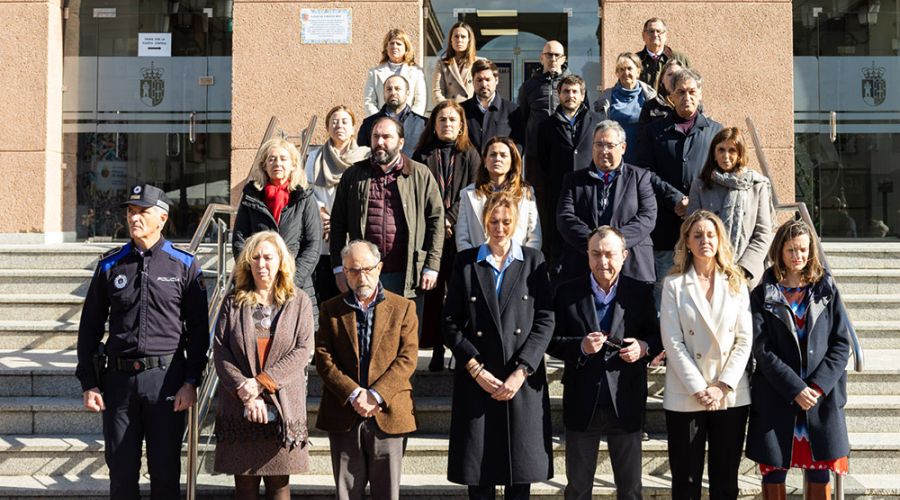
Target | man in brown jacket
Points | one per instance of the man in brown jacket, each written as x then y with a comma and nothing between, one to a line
366,353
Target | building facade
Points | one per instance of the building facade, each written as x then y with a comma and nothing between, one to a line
101,94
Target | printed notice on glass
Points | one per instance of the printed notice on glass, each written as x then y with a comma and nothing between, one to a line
154,45
320,26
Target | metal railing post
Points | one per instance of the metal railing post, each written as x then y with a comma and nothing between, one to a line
193,437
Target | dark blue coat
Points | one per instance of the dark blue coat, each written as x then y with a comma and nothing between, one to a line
413,126
634,315
776,381
503,118
674,160
499,442
633,213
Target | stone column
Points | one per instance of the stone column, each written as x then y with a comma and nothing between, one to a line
273,74
744,52
31,121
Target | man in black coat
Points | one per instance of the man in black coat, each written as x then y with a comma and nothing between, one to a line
609,192
396,95
674,150
606,332
656,53
488,114
563,146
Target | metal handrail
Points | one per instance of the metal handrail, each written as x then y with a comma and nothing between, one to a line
858,355
224,279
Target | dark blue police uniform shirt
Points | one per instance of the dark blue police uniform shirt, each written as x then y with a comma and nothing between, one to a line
151,300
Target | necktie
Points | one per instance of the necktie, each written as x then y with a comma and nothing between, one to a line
655,57
606,178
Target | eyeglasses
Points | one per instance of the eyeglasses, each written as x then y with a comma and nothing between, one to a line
356,271
655,32
551,55
606,146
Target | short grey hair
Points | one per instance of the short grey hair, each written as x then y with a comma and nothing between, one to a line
609,125
368,244
604,231
686,75
405,81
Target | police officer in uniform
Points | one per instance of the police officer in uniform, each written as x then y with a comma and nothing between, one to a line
154,297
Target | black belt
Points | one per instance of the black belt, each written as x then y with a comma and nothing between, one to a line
140,364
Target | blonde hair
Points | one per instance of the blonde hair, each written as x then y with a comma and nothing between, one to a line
627,56
244,286
499,199
260,178
684,260
409,58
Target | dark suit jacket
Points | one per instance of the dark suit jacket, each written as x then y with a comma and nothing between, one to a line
394,353
633,213
503,118
634,316
413,126
674,160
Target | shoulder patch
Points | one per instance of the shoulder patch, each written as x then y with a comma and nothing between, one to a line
180,253
108,259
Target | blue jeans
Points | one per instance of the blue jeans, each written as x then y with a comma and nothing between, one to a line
664,260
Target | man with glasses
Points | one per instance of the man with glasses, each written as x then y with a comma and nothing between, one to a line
538,99
608,193
366,353
655,52
674,150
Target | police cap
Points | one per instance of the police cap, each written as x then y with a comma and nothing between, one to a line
145,195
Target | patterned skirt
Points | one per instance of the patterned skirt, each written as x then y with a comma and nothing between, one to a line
801,455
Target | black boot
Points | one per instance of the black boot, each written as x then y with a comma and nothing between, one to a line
437,360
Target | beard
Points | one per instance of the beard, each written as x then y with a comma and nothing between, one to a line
384,155
363,291
485,93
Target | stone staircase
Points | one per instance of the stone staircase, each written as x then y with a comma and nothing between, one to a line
51,447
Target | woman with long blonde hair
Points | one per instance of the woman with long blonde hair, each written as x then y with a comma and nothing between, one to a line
262,343
707,332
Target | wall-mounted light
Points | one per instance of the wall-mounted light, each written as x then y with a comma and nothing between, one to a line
497,13
499,32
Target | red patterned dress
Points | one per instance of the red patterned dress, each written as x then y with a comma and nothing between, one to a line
801,455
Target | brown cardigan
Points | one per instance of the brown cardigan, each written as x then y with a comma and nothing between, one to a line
236,357
393,360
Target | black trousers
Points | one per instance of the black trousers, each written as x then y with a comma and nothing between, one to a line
689,433
582,449
138,406
511,492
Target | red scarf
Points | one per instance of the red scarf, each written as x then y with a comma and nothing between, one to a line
276,199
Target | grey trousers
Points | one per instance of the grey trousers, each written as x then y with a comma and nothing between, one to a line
582,449
365,454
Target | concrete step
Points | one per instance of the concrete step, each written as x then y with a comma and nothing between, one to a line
64,455
863,255
66,415
31,334
50,372
36,281
44,307
866,307
75,255
878,334
862,281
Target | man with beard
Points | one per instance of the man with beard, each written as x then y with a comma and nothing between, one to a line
563,146
396,96
366,352
394,203
488,114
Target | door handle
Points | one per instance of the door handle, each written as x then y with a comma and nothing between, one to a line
193,137
832,126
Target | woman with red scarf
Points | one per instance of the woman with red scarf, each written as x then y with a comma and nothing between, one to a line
278,197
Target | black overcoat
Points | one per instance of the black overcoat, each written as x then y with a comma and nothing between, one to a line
503,118
465,166
776,381
499,442
299,226
634,316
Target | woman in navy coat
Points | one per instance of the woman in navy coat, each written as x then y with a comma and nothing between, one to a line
801,344
498,321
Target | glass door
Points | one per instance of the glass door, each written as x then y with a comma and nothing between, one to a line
847,77
150,104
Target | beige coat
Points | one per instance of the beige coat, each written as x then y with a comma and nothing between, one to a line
706,342
448,83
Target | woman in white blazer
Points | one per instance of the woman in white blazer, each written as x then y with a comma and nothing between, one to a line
501,170
397,58
707,332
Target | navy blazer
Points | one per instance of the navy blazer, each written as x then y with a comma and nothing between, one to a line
633,213
503,118
413,126
674,160
634,316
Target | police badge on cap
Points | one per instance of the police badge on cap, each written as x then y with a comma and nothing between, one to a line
145,195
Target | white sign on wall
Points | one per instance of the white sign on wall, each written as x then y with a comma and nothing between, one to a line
320,26
154,45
